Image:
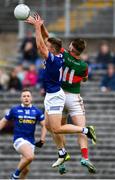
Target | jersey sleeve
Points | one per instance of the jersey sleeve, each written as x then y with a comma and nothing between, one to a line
10,115
50,58
40,115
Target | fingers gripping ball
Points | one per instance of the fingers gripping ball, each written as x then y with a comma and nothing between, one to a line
21,12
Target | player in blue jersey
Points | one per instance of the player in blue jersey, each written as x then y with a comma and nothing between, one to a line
55,97
25,117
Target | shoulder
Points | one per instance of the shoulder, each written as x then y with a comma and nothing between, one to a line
37,109
57,59
12,111
14,108
50,58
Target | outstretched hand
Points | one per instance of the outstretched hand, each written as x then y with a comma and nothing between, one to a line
36,20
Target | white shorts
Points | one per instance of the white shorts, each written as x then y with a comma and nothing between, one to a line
54,102
74,104
20,141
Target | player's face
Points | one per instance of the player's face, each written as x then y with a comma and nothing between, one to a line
50,48
26,98
70,47
72,51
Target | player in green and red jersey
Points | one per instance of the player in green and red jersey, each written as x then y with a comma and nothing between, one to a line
75,71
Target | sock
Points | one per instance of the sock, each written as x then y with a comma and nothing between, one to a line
17,172
84,152
62,152
85,130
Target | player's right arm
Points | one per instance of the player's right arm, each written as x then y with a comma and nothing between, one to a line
9,116
3,123
44,32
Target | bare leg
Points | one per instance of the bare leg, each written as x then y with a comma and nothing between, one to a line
53,121
27,156
24,173
68,129
80,120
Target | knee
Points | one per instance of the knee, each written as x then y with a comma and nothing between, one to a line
47,126
30,157
55,130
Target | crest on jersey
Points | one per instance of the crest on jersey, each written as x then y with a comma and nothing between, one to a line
27,111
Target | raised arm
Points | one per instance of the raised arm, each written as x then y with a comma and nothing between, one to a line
44,32
37,22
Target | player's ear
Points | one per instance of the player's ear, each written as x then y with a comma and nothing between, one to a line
54,50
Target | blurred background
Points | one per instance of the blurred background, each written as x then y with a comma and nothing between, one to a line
21,66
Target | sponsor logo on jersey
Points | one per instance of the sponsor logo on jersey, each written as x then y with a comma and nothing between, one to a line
73,61
20,110
27,121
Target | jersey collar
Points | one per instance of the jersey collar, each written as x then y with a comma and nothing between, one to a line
26,106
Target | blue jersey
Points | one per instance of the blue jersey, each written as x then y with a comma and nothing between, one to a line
25,119
53,73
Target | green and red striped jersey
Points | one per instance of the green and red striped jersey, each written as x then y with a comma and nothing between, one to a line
73,72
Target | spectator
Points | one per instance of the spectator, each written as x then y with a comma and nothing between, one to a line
20,72
14,82
4,78
108,81
85,57
31,77
104,56
29,50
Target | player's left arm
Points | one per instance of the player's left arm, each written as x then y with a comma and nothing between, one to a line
41,142
85,76
43,131
37,22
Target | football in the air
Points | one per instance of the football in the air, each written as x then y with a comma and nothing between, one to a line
21,12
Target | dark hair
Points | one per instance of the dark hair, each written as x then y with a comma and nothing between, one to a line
56,43
79,45
25,89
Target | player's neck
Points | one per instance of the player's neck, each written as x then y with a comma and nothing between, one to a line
75,56
24,105
56,54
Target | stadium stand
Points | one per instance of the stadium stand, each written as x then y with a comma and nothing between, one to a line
99,111
99,106
82,16
86,17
